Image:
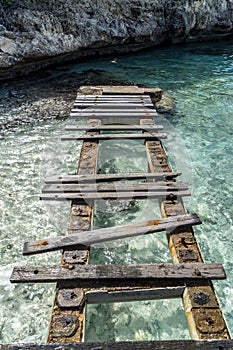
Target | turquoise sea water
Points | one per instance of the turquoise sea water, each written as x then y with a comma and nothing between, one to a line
200,77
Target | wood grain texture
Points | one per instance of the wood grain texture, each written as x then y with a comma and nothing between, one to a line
117,187
142,345
109,177
113,195
112,104
101,273
113,128
114,96
88,238
107,114
146,136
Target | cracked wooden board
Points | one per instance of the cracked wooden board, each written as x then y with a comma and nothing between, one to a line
87,238
165,274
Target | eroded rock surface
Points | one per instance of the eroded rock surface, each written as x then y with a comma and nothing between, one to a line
34,34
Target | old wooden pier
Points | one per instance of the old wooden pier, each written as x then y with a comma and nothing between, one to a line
113,113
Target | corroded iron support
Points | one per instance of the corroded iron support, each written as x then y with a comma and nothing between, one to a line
68,314
202,309
203,312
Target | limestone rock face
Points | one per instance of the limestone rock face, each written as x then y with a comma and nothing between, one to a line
48,30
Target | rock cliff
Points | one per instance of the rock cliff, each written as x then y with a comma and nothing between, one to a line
36,33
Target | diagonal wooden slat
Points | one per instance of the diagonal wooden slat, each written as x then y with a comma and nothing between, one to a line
162,274
108,234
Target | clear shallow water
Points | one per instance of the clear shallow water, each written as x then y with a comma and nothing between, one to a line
200,77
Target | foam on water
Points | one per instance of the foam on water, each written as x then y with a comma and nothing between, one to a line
200,77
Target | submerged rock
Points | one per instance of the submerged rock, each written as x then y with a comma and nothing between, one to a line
167,104
34,34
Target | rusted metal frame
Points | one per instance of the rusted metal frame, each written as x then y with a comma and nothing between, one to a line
203,312
67,320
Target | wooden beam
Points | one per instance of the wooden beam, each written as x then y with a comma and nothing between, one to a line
160,273
109,177
107,108
129,345
151,136
113,128
117,96
88,238
113,195
124,114
112,104
118,187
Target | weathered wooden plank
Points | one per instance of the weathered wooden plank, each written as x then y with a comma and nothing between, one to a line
114,195
168,273
117,187
129,345
116,109
112,103
146,136
108,234
120,101
108,114
105,296
117,96
113,128
113,108
109,177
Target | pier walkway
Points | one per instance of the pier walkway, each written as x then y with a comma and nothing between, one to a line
122,113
